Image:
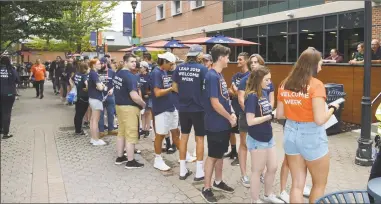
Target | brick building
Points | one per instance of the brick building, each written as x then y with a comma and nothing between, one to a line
283,28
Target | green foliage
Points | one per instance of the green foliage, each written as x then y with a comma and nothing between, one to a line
153,54
70,21
87,16
23,19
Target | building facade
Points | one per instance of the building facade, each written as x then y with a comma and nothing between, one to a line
283,29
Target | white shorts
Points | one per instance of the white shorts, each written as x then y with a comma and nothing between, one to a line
166,121
95,104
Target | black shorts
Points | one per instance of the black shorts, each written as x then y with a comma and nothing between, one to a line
235,129
218,143
195,119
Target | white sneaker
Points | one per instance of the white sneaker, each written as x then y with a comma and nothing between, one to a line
245,181
92,141
257,201
285,197
160,164
272,199
306,191
99,142
189,159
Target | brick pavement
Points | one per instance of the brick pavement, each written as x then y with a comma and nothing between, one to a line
45,162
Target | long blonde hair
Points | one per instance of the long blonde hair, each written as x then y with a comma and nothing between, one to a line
254,82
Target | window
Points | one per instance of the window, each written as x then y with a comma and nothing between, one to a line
238,9
277,42
250,9
229,10
330,42
160,12
292,48
311,34
331,22
176,8
250,34
351,33
195,4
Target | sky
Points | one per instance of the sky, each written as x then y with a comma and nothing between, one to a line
117,14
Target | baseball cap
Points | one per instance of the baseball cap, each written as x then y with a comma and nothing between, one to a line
103,60
194,50
144,64
207,57
168,56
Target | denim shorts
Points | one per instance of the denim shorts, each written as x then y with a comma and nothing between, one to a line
253,144
306,139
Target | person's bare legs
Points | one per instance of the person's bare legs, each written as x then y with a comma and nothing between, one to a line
209,166
258,162
120,145
218,170
94,129
242,153
319,170
176,137
200,148
271,166
130,151
284,171
298,171
158,142
183,146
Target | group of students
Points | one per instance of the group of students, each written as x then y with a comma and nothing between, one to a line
195,94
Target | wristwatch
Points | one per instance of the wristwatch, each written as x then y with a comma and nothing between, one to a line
334,108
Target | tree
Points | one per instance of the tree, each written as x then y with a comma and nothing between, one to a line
23,19
87,16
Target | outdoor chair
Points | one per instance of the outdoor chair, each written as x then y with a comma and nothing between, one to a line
355,196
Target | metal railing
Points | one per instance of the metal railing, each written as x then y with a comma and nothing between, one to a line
375,99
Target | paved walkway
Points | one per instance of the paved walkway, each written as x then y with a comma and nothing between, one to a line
44,162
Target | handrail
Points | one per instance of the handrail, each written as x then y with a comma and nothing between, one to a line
375,99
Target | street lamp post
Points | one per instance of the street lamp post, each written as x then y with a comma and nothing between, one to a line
364,150
134,3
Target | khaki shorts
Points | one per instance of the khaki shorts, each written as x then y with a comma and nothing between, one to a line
128,119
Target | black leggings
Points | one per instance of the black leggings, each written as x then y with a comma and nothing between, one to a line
5,112
40,88
375,172
64,88
80,110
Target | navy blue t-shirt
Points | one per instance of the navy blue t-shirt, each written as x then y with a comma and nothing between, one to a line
242,86
79,81
145,85
107,77
8,80
175,96
94,93
124,83
236,80
215,87
160,79
260,107
190,78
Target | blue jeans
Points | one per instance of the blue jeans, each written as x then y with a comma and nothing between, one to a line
109,104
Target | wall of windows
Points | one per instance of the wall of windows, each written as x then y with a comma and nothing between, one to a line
284,41
238,9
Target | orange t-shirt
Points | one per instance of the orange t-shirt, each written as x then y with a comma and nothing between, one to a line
298,106
38,72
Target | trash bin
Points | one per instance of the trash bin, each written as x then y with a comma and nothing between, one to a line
334,92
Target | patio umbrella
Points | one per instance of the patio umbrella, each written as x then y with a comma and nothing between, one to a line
140,49
168,44
219,39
